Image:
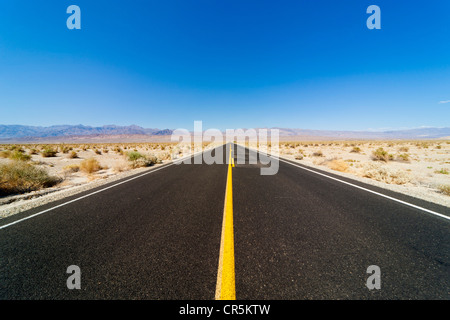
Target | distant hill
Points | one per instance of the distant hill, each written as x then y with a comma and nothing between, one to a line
32,133
412,134
133,133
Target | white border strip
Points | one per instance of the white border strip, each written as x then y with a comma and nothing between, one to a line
101,190
359,187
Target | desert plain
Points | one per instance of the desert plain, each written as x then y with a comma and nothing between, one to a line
34,174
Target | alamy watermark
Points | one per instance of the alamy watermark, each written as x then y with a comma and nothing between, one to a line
374,21
74,20
260,142
374,280
74,280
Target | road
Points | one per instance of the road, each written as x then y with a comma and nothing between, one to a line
297,235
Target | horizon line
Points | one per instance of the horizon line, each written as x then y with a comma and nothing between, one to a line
371,130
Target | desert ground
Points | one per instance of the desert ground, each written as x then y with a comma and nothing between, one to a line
417,168
34,174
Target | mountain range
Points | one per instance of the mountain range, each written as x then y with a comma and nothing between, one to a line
67,133
417,133
30,132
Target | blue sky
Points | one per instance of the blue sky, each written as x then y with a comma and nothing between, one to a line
232,64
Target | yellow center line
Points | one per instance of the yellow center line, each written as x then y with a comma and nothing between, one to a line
232,157
225,287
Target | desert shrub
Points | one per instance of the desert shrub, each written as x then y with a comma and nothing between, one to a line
134,155
90,166
73,155
65,149
20,177
382,155
48,152
72,168
318,154
142,162
120,167
442,171
97,151
5,154
16,148
445,189
154,159
356,150
139,160
15,154
403,157
338,165
403,149
385,175
118,150
299,156
20,156
165,156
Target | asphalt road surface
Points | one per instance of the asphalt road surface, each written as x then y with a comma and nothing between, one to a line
297,235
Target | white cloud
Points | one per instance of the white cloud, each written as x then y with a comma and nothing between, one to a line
444,101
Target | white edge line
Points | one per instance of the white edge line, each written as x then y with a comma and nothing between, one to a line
98,191
359,187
